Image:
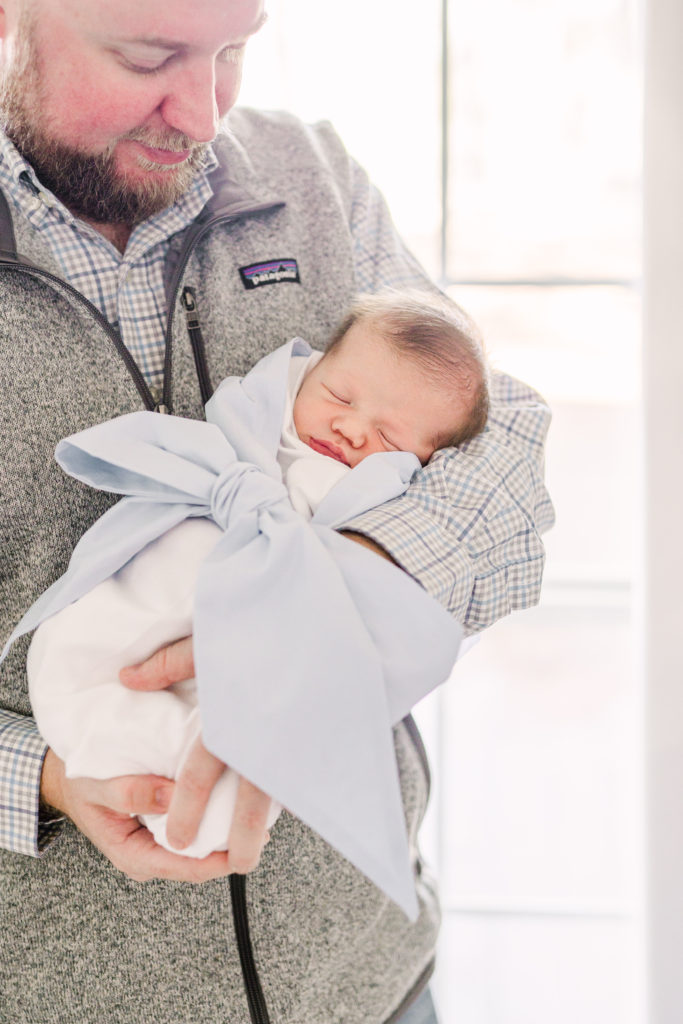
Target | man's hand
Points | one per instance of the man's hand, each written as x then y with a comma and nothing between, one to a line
173,664
102,810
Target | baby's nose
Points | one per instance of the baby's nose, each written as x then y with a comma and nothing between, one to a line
351,427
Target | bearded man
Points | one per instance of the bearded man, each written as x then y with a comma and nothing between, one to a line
129,221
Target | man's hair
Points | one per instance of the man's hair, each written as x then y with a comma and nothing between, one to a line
437,336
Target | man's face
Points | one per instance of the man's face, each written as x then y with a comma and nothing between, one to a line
364,397
113,103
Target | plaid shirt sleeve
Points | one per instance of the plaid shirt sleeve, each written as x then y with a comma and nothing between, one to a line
468,528
22,751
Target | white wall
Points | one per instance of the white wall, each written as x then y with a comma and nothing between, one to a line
663,592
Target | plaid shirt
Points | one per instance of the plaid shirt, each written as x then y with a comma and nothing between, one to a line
467,529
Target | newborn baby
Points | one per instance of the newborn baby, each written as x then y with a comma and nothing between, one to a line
401,373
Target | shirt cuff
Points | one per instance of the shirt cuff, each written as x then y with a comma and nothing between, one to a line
23,829
477,585
405,533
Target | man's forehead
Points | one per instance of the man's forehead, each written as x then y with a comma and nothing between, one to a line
170,23
239,34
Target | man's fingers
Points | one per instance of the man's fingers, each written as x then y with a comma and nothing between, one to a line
128,794
199,775
142,859
248,830
129,845
168,665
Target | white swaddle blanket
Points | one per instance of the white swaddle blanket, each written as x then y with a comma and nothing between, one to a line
97,726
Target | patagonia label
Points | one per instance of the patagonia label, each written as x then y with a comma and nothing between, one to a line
270,272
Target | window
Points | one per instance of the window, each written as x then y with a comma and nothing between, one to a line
522,200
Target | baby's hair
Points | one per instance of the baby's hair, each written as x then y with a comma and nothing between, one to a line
438,336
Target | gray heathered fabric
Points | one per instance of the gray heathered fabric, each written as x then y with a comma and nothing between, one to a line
79,942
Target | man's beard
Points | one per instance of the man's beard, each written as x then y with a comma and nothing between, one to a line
90,186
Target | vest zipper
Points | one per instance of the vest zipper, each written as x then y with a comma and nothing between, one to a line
255,999
194,236
189,301
157,397
258,1010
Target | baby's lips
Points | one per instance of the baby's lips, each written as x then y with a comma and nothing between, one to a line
328,448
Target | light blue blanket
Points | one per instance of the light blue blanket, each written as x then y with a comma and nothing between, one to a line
320,743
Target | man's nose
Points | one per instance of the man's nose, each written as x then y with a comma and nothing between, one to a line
190,106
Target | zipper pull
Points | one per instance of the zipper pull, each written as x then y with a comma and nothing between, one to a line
190,306
157,395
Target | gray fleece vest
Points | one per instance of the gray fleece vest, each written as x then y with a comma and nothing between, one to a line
80,943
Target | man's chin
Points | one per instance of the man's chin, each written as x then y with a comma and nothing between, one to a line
142,193
109,191
137,188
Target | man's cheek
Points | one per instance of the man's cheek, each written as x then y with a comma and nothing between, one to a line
90,118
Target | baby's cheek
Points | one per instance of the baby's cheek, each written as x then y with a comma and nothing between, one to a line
296,415
304,416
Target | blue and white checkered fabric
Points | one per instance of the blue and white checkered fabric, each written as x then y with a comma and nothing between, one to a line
381,259
22,750
469,527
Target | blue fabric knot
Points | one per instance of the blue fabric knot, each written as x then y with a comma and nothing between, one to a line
241,489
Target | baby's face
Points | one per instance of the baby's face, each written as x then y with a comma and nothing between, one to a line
364,397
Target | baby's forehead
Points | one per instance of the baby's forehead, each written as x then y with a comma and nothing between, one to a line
369,352
365,341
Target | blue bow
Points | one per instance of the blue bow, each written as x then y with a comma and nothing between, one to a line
308,647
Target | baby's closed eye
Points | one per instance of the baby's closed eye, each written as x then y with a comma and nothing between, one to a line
338,397
387,442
